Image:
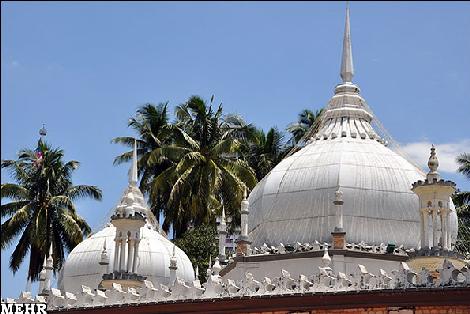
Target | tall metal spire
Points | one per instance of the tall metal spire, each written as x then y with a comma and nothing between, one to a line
133,170
347,68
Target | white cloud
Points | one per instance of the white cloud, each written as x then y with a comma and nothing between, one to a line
446,153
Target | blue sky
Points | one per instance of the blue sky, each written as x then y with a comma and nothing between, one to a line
83,69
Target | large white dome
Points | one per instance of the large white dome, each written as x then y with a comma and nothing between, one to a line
82,265
294,202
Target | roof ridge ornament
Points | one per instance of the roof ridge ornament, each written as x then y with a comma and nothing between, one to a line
347,67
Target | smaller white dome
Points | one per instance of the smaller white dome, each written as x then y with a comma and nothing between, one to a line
82,264
154,254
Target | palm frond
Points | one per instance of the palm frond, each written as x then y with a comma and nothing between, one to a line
13,191
84,191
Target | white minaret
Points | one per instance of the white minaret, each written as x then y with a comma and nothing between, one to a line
338,233
173,267
128,219
245,211
209,269
216,268
243,243
434,202
104,260
338,202
347,68
326,259
46,274
222,229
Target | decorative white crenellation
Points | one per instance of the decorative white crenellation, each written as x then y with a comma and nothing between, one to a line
213,286
434,200
316,246
324,281
222,231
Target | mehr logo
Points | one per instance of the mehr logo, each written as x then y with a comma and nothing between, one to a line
24,308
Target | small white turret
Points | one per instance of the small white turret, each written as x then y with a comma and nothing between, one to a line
209,268
46,274
222,230
245,210
104,255
243,243
173,267
339,240
434,199
216,268
129,217
326,259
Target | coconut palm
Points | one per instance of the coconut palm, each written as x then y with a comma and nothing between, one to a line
464,164
305,122
41,211
206,170
154,131
461,200
266,152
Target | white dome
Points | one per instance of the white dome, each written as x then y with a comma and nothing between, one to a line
82,264
294,202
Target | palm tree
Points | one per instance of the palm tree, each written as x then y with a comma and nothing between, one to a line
206,170
306,121
464,164
461,200
41,211
266,152
154,131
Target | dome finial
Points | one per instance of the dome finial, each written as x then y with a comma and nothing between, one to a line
347,68
133,170
43,131
433,164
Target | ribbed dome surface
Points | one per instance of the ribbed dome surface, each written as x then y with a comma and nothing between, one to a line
294,202
82,268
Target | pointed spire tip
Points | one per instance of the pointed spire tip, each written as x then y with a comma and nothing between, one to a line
133,170
347,67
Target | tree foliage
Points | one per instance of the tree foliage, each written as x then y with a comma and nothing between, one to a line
306,120
41,210
202,160
461,200
199,244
